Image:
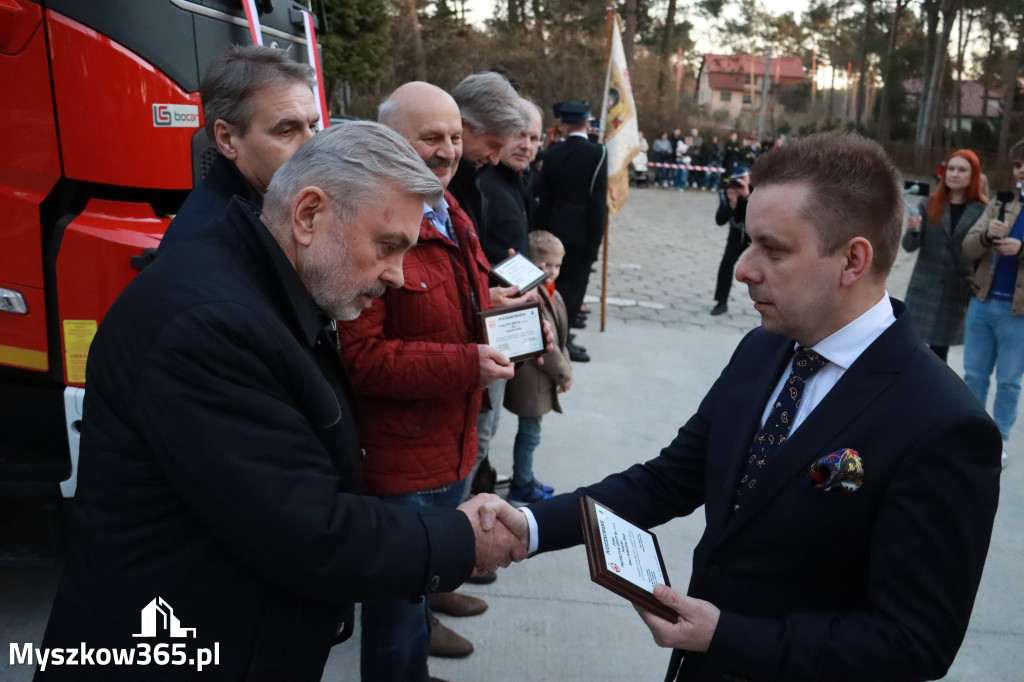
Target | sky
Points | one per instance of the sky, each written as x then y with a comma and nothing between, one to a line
479,10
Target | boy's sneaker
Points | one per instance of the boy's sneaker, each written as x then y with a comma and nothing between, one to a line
540,486
528,494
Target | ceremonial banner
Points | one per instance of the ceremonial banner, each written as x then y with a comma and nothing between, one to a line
618,122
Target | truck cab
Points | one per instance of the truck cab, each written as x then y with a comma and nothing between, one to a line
102,140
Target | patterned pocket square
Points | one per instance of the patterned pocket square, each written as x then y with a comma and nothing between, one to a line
842,471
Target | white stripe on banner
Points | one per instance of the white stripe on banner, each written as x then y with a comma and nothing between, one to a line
254,21
314,61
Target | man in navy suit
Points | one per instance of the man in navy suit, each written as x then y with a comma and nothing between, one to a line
848,510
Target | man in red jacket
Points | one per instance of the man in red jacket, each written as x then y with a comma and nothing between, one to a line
419,367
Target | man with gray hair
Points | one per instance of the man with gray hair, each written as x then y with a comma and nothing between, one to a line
220,482
508,209
492,115
258,107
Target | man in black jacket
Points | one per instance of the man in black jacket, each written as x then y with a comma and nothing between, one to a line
491,116
220,466
508,201
508,218
258,107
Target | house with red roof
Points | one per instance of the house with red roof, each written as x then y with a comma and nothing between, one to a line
977,105
733,83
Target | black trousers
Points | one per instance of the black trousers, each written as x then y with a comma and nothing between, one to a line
573,278
735,245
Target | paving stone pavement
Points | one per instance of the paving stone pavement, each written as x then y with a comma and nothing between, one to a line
663,255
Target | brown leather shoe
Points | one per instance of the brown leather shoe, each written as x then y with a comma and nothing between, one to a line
455,604
446,643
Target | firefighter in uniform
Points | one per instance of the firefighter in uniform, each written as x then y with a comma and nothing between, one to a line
572,193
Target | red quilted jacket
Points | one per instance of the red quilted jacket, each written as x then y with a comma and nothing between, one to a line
413,359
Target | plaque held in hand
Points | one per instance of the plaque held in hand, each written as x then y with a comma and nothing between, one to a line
518,271
517,331
624,558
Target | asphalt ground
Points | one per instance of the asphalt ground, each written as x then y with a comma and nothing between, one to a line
658,355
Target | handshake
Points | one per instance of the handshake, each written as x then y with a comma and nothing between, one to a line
501,531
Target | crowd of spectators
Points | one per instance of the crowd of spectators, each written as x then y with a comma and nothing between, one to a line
696,160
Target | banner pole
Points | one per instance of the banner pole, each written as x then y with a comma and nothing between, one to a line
604,113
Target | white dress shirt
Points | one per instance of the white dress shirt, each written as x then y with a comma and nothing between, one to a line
841,349
438,216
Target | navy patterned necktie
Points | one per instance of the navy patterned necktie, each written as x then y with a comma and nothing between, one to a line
776,428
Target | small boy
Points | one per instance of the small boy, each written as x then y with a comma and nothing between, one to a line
534,390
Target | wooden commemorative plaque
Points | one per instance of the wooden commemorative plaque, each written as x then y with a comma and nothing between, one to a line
623,558
517,331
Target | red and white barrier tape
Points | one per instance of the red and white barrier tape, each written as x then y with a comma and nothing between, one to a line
710,169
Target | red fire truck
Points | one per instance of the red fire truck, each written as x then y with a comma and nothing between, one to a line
101,139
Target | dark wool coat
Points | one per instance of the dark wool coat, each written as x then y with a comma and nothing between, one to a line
939,289
207,202
506,218
220,473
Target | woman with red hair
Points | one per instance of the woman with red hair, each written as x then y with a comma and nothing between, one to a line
938,293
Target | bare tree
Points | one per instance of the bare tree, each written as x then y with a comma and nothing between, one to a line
884,124
1013,65
963,35
667,42
930,96
411,28
863,66
629,32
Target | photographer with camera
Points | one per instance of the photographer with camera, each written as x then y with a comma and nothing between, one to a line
732,209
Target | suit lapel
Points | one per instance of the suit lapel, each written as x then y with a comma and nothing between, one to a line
860,386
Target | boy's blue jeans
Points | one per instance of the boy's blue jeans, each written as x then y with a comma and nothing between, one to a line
527,440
